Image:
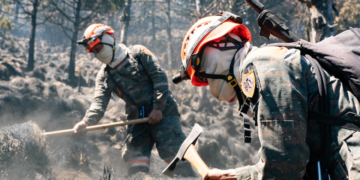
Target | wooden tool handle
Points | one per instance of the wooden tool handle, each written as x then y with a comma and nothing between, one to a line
96,127
193,157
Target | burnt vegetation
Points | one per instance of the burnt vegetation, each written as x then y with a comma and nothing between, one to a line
48,80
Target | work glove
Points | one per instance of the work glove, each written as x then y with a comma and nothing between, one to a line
79,128
155,116
218,174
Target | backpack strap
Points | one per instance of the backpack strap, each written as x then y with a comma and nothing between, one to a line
136,52
324,107
335,121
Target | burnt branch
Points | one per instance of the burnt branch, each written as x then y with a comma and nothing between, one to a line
62,12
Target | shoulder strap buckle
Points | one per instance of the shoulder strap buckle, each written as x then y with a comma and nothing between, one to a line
231,80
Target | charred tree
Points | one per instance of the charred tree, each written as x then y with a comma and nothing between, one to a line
168,32
198,9
153,30
143,21
203,101
322,18
34,17
125,21
77,15
74,38
71,28
30,65
17,8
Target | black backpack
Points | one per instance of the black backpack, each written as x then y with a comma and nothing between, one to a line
338,54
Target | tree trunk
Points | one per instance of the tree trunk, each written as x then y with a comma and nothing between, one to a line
143,14
109,19
236,6
204,100
321,20
17,8
73,44
153,30
30,65
198,9
168,30
126,20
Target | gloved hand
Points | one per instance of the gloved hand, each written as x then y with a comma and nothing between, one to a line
155,116
79,128
218,174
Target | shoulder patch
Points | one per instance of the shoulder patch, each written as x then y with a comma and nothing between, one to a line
147,52
248,84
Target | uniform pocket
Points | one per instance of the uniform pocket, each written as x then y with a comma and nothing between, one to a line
178,137
177,130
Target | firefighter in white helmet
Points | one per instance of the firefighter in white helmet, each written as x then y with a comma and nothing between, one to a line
276,87
134,74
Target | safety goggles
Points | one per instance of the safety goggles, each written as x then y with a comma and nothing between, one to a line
94,39
89,42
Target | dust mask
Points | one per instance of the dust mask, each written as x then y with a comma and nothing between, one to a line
106,53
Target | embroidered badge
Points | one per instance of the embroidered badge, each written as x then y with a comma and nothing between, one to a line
248,84
147,52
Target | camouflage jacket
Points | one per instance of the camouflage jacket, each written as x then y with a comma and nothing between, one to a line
142,78
282,86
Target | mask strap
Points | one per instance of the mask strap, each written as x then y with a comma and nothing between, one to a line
236,86
113,47
230,78
243,106
233,40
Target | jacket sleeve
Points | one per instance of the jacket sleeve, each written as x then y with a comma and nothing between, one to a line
281,116
100,100
158,78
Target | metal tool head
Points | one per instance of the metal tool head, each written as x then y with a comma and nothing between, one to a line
191,139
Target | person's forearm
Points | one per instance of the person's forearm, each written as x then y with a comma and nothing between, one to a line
159,80
100,101
93,116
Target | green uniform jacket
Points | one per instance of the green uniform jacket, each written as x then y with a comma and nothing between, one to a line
287,90
142,78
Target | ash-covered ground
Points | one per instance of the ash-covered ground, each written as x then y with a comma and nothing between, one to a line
44,97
